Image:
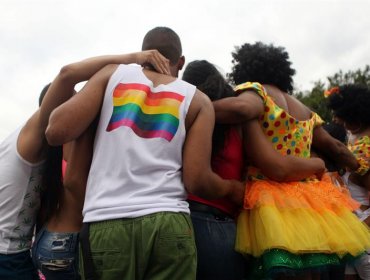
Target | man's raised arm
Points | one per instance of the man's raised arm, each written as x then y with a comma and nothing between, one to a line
82,110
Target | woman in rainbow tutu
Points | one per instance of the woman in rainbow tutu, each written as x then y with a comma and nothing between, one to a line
292,229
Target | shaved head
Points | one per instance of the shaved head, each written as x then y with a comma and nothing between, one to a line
166,41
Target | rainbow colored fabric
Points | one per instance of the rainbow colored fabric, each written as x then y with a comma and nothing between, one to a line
149,114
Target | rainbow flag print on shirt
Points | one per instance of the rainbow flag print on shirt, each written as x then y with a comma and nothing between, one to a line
149,114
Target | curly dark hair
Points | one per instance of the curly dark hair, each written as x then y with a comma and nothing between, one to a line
262,63
351,103
205,76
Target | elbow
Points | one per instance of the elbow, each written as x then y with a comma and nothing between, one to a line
192,184
206,185
244,113
67,74
74,182
54,134
196,185
278,173
279,177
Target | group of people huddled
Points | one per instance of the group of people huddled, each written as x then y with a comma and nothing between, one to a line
142,175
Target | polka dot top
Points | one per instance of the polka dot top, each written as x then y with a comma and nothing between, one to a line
361,150
361,147
288,135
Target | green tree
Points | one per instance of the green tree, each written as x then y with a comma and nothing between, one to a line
351,77
315,99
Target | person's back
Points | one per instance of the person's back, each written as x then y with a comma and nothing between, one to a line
62,202
272,229
138,146
139,226
288,103
213,220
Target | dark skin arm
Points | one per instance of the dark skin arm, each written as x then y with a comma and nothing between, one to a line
62,126
334,149
274,165
31,142
248,106
198,176
85,106
236,110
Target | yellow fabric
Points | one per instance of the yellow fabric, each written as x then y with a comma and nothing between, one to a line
361,150
288,135
361,147
300,231
310,216
300,217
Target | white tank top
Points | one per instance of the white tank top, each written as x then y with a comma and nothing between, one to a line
137,161
20,187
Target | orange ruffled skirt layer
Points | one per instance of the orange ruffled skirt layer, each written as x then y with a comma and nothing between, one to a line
300,217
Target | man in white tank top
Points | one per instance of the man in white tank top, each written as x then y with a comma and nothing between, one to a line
23,158
153,140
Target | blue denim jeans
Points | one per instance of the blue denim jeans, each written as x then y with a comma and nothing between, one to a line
17,267
55,254
215,240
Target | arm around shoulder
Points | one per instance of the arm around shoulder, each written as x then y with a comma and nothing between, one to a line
239,109
333,148
198,176
273,164
72,118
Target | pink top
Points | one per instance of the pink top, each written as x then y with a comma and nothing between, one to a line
64,168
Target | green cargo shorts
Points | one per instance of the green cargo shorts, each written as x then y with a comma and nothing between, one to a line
156,246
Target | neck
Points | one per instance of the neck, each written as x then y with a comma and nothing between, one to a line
148,66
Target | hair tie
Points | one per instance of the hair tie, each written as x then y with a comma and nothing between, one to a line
331,91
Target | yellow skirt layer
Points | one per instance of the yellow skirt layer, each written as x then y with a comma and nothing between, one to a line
318,195
300,231
300,217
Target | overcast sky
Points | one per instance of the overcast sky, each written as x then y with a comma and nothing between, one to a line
38,37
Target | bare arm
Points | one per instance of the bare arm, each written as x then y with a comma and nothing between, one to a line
272,164
236,110
32,142
334,149
72,118
198,176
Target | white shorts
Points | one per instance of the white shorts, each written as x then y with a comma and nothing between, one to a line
361,267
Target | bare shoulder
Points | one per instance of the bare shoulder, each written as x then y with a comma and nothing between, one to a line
199,103
31,144
107,70
297,109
